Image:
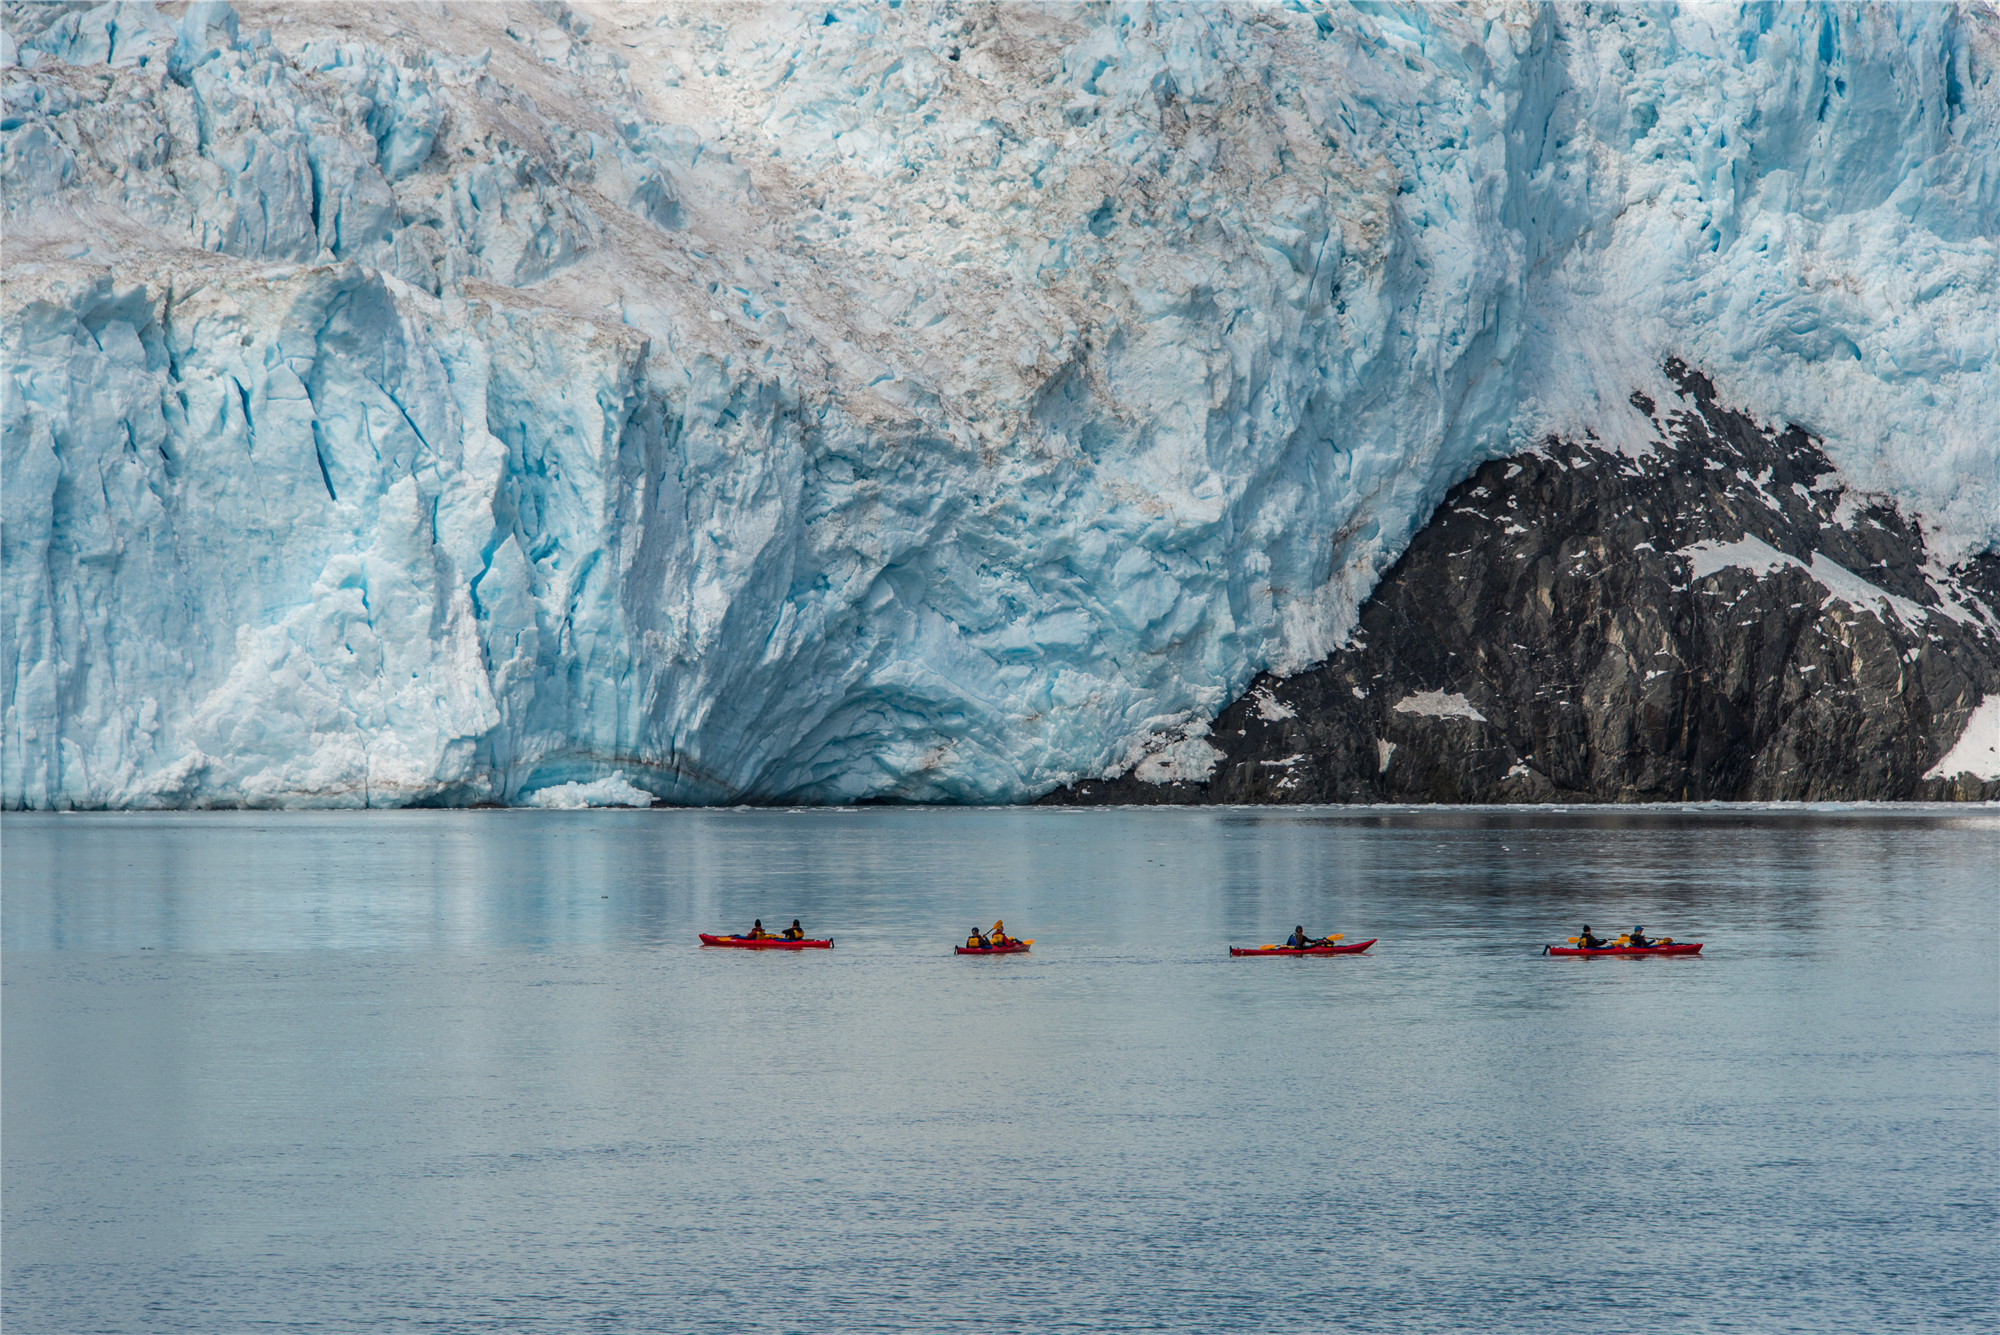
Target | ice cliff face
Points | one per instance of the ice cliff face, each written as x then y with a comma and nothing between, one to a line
426,403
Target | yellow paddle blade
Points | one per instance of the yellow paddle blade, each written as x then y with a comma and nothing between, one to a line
1338,936
1574,940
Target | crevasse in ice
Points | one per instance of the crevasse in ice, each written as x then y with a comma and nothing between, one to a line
459,403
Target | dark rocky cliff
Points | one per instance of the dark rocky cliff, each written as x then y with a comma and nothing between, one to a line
1717,621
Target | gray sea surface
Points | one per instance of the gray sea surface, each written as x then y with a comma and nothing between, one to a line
470,1071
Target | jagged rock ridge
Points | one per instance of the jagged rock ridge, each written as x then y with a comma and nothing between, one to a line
1717,618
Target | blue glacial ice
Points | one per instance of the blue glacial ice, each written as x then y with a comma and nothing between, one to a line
465,403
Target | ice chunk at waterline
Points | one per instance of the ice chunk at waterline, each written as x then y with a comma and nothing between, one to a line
609,792
417,409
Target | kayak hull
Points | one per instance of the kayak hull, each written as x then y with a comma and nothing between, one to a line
1018,948
1354,949
768,943
1677,948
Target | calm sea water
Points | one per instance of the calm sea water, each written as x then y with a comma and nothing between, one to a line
469,1071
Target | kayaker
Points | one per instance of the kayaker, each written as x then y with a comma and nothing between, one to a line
975,940
1639,938
1298,940
756,932
998,936
794,932
1588,942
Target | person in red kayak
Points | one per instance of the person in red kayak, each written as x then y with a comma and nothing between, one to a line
1298,940
998,936
976,940
794,932
1638,938
1587,941
756,932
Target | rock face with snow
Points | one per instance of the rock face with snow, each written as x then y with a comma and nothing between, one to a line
1718,618
451,403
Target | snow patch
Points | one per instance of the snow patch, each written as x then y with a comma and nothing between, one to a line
1762,483
1269,707
1760,558
1849,507
1978,750
1746,553
1383,751
1969,612
1436,704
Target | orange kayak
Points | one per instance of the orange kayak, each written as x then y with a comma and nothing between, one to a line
1354,949
1676,948
767,943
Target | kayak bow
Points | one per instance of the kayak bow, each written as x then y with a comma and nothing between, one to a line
1354,949
1677,948
768,943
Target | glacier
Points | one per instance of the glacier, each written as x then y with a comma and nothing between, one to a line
552,403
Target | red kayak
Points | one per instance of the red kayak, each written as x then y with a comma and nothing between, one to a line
1017,948
767,943
1677,948
1354,949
